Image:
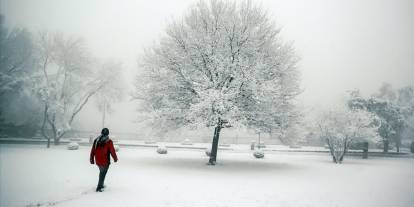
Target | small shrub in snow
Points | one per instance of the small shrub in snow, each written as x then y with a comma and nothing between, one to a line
208,152
162,150
258,154
73,146
116,148
343,126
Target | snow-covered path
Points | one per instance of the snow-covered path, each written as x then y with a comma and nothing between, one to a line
31,175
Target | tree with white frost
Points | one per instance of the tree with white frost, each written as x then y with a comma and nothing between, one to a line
16,57
394,109
113,91
339,128
18,112
16,62
224,64
65,81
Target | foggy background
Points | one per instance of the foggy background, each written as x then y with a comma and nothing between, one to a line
342,44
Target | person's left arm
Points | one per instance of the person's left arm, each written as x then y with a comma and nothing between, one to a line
112,151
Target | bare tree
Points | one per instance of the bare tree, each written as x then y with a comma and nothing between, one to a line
113,91
223,64
65,82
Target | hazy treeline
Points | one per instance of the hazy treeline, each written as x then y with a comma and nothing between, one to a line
47,79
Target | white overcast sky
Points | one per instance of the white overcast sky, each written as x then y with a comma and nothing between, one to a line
342,44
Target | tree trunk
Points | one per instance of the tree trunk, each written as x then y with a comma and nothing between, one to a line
55,136
398,144
365,150
331,150
386,145
56,141
43,129
346,144
214,145
333,157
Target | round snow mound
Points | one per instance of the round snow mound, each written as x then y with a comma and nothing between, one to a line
116,148
73,146
208,152
258,154
186,142
162,150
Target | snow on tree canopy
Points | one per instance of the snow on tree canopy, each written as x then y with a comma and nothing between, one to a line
340,127
66,78
222,61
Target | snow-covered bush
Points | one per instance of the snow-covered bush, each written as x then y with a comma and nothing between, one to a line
341,127
162,150
116,148
258,154
73,146
187,142
208,151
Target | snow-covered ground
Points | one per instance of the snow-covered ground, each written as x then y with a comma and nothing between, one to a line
33,175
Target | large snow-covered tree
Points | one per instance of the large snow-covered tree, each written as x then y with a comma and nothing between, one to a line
394,108
223,64
18,110
340,127
406,102
16,57
65,82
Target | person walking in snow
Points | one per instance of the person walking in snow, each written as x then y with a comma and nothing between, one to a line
101,148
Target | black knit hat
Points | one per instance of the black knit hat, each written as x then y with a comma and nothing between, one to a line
105,131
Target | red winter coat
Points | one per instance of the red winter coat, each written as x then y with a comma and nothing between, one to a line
101,153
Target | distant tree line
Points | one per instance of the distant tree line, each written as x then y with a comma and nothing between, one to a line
47,79
385,118
395,109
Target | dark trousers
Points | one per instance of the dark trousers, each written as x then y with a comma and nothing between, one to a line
102,173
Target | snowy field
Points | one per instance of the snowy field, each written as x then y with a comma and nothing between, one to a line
31,175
